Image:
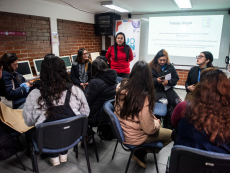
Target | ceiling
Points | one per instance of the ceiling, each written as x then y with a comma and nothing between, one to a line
145,6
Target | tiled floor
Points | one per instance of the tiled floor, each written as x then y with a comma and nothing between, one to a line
105,165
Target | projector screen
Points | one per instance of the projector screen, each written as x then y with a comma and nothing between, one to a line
185,36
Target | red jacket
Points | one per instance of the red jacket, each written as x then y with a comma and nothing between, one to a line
120,65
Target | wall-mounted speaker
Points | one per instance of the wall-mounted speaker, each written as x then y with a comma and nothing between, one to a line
129,15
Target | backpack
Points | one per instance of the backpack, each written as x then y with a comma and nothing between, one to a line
105,132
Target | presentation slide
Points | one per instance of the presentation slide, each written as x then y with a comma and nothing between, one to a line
185,36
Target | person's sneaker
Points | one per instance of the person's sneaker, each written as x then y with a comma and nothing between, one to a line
140,160
63,158
55,161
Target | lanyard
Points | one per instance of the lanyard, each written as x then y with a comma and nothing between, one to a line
199,74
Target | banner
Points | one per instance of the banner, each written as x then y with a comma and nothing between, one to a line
131,29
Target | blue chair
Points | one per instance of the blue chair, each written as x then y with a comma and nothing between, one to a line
160,109
59,136
118,132
191,160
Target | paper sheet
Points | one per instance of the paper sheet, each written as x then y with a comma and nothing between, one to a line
167,77
13,118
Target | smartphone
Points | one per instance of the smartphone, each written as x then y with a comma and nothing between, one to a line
162,77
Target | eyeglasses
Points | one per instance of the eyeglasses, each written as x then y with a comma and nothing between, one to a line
85,53
199,57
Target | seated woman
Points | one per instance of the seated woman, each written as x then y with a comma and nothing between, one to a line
81,69
134,108
16,87
204,60
101,88
164,77
55,90
203,122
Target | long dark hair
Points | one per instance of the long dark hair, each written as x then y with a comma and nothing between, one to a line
6,60
99,66
208,56
79,58
154,63
54,80
126,47
209,105
131,96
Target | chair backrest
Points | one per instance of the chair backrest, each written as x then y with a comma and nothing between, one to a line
160,109
192,160
61,133
114,122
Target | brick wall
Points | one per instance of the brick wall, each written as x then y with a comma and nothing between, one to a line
76,35
183,76
34,45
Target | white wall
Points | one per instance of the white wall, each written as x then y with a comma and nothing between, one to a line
224,45
45,9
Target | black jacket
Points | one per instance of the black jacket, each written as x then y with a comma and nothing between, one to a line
17,95
168,69
74,75
192,77
101,89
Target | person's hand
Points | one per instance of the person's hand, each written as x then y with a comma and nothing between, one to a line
1,72
159,80
31,82
191,87
83,85
86,84
165,82
28,84
159,121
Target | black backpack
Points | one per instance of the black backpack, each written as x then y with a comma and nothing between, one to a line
2,88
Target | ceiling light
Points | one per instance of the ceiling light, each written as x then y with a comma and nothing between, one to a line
183,4
115,6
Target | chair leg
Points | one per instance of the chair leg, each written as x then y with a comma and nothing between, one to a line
95,148
34,159
127,167
114,150
76,150
155,159
20,162
87,156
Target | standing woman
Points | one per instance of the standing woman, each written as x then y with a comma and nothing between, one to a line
204,60
16,87
81,69
119,56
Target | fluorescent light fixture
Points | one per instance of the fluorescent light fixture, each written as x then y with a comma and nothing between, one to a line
115,6
183,4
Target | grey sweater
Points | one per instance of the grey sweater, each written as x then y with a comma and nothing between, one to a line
33,116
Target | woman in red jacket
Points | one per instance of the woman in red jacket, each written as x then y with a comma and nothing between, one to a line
119,56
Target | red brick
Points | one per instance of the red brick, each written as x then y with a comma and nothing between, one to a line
46,26
42,30
4,18
36,25
28,34
16,19
12,42
32,46
19,38
33,55
31,29
2,52
6,47
30,20
46,34
38,42
26,42
22,56
35,17
36,34
5,28
44,38
16,51
27,51
32,38
2,43
24,24
20,47
42,22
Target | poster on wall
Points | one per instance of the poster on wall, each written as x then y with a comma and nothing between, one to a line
131,29
55,39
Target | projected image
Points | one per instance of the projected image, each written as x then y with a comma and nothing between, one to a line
185,35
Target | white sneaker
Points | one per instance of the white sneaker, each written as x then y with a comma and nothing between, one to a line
63,158
55,161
